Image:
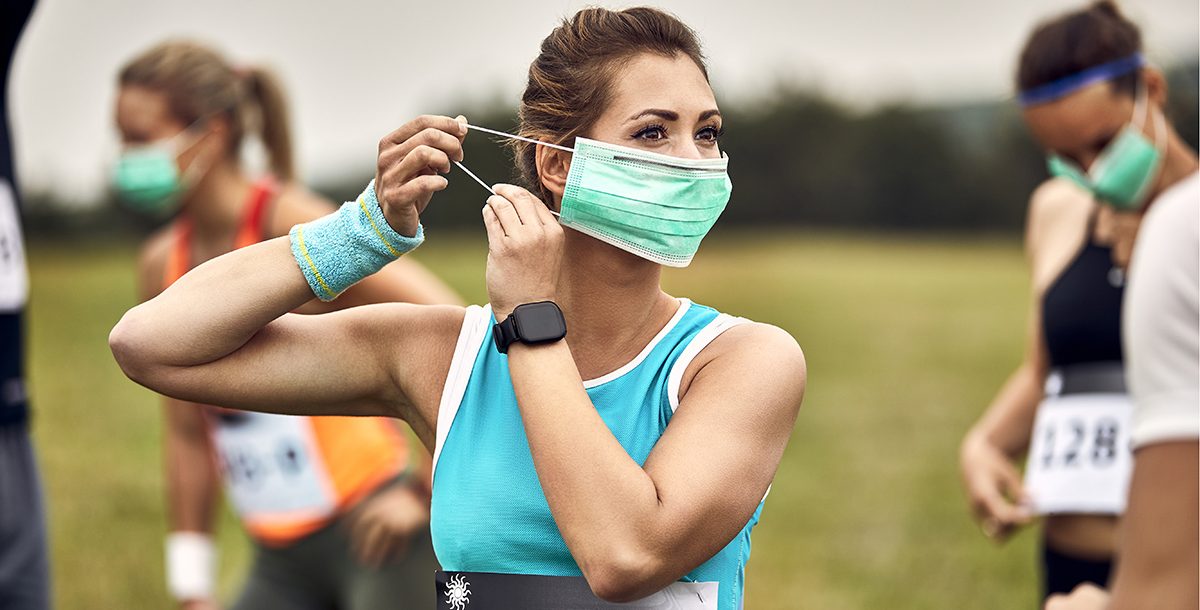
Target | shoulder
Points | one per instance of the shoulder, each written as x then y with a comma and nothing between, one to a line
765,354
295,204
152,260
1057,209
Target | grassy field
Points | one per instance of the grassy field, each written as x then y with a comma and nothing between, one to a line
906,341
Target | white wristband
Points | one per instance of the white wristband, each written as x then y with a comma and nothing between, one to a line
191,565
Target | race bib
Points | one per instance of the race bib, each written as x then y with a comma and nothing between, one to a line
1080,459
271,466
14,278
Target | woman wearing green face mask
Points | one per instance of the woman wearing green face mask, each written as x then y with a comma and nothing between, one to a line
330,503
594,438
1094,105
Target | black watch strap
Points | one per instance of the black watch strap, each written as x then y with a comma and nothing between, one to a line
531,323
505,334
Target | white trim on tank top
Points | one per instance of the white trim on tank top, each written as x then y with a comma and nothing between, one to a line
476,326
684,305
706,335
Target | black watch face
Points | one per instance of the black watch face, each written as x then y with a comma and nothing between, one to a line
539,322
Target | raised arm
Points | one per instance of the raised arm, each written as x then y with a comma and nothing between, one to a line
222,334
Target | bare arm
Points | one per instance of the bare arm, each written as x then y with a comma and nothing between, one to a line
191,472
990,450
1159,557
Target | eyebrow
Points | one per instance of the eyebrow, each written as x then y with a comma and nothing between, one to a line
671,115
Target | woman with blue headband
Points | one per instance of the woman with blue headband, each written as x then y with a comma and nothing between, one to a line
595,439
1091,101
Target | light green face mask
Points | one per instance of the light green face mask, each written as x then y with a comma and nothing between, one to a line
1124,171
147,178
655,206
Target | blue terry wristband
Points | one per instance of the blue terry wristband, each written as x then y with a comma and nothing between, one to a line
336,251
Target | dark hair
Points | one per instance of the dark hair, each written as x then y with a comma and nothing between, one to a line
198,82
569,82
1077,41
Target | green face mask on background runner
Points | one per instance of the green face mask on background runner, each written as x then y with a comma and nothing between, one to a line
1124,171
655,206
147,179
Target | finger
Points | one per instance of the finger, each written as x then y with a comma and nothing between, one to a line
1014,489
495,231
421,186
523,201
506,213
377,543
427,121
416,163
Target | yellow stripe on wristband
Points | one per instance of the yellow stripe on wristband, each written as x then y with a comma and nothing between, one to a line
312,266
363,204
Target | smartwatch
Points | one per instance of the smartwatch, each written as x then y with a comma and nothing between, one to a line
531,323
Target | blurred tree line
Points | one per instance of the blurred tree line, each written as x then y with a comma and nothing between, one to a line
800,159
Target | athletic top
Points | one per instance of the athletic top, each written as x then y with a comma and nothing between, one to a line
14,278
1162,319
288,476
1081,310
489,513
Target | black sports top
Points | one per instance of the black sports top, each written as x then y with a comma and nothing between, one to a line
1081,310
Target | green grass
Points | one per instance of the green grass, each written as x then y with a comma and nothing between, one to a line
906,341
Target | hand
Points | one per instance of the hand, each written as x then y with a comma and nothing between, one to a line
994,488
524,249
410,160
1085,597
382,527
199,604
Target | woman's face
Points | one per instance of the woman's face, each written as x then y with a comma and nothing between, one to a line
1080,125
664,105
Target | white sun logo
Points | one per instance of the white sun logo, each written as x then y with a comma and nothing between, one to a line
458,592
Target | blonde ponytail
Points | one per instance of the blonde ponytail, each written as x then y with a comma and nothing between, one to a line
266,92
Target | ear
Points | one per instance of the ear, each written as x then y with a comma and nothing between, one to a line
553,165
1156,86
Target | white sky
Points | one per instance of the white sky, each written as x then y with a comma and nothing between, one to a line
358,68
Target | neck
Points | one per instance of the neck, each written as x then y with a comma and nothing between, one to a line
1179,162
214,204
612,303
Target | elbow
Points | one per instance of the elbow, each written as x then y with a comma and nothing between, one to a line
128,349
624,573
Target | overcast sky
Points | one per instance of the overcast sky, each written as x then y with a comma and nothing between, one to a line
358,68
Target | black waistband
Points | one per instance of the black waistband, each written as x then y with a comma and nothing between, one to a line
1090,378
488,591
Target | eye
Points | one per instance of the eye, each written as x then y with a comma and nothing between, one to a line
710,134
652,133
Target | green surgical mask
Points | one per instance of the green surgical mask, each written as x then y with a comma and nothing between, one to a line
655,206
147,178
1124,171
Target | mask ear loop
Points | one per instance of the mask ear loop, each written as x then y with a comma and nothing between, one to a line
515,137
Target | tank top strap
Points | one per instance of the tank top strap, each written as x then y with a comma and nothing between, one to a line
251,229
179,256
1093,215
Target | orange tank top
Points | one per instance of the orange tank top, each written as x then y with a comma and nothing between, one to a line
287,476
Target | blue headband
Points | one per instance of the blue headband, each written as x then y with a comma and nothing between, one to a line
1073,82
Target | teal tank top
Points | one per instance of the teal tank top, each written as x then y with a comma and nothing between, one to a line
489,513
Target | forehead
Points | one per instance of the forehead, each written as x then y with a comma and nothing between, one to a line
650,80
1080,118
145,112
